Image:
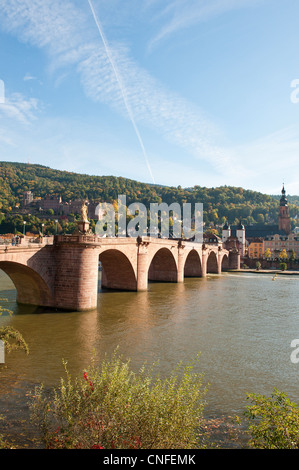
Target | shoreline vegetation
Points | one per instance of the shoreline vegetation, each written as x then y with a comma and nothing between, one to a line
108,406
266,271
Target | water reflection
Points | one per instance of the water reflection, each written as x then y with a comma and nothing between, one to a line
241,324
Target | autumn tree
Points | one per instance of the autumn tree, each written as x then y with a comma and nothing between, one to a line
267,253
283,254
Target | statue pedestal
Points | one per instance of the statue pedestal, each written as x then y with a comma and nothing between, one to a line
83,226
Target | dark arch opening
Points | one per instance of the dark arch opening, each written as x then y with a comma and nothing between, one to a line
163,267
30,286
225,263
212,263
117,271
193,265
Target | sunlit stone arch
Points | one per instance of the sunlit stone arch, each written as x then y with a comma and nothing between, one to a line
193,264
117,270
225,263
31,288
212,263
163,266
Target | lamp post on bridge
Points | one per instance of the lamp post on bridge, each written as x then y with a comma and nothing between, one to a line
43,229
24,227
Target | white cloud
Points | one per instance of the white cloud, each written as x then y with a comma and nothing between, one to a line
29,77
5,138
270,161
70,37
42,23
180,14
17,107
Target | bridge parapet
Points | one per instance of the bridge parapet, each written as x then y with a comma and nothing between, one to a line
63,271
58,239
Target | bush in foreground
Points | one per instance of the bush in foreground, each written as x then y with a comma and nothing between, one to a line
13,339
110,406
273,421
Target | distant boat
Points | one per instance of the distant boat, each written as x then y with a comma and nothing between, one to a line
273,278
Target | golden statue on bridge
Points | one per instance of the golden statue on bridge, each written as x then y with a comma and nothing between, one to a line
84,213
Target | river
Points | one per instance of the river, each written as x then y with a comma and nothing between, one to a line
242,324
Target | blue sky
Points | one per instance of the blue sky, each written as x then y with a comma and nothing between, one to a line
176,92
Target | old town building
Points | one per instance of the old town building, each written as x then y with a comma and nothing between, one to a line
277,243
256,248
253,240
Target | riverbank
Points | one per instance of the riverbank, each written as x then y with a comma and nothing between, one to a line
218,430
265,271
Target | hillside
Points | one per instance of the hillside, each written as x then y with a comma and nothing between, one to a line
231,203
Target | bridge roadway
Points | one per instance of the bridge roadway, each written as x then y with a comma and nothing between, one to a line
63,275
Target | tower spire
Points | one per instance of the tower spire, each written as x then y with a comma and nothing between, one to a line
284,217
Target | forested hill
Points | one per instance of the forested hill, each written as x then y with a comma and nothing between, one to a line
220,203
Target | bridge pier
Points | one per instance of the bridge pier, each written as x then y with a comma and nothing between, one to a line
142,269
204,262
181,265
76,277
64,275
234,260
219,261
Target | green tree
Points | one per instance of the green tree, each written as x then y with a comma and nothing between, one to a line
283,266
233,203
258,265
260,219
12,339
293,256
273,421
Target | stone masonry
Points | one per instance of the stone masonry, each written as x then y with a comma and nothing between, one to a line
64,275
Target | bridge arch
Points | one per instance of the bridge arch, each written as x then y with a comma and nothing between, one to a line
193,267
163,266
117,270
212,263
225,263
30,286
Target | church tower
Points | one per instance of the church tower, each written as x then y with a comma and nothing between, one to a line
226,232
240,233
284,222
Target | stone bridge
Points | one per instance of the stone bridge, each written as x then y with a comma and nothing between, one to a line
64,274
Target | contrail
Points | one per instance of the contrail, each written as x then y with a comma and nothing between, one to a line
121,86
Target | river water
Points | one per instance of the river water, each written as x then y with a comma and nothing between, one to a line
242,324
